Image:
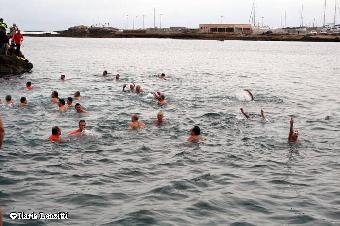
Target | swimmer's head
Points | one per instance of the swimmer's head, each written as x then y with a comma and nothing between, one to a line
104,73
295,135
69,100
82,125
28,84
77,94
78,107
54,94
162,75
8,98
117,76
162,97
196,131
62,77
132,86
61,102
56,130
160,116
23,100
134,118
138,89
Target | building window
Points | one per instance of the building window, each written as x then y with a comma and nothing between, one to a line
230,30
221,30
213,29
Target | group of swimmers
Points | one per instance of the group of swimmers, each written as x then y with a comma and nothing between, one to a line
195,132
23,100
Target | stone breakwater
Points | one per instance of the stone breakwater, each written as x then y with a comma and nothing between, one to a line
95,32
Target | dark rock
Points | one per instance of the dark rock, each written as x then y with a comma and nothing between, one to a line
13,65
84,31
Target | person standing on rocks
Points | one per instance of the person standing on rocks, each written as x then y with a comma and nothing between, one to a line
13,30
4,41
18,38
3,25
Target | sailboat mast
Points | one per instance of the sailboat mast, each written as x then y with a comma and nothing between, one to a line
335,11
254,14
302,16
324,14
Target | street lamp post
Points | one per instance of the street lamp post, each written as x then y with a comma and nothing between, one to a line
127,22
143,21
160,21
222,19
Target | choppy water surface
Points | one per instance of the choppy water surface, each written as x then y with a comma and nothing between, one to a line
244,173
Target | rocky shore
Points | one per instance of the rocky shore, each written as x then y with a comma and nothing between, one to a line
13,65
95,32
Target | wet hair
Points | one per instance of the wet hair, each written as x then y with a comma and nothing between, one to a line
105,72
77,94
77,104
62,101
28,84
138,88
23,99
162,97
162,75
8,98
70,99
117,76
55,130
196,130
54,94
62,76
81,121
134,118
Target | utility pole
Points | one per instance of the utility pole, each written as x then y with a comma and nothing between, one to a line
335,11
136,22
285,18
160,21
154,17
324,14
302,16
254,14
262,21
221,19
127,22
143,21
133,23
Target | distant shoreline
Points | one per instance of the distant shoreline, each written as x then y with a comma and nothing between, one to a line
202,36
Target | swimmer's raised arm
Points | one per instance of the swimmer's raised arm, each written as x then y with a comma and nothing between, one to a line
293,135
291,128
250,94
1,217
245,114
124,86
2,133
262,115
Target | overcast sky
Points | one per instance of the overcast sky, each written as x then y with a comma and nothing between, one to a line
51,15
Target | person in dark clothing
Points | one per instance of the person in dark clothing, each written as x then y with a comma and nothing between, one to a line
3,25
4,40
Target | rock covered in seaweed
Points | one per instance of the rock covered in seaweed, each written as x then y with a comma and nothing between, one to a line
13,65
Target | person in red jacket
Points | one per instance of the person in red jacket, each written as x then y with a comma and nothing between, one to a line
17,38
